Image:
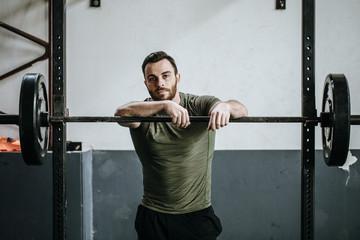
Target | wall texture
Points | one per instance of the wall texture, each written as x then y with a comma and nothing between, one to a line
244,50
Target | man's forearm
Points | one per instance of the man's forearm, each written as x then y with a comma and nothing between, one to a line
140,109
237,109
180,116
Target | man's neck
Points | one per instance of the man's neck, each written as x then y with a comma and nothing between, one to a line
177,98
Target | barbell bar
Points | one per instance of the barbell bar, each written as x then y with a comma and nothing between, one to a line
46,119
34,119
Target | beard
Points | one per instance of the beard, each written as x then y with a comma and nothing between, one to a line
168,94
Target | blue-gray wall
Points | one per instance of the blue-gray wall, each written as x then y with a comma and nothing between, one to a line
26,198
256,194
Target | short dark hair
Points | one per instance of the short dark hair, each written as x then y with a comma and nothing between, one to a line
156,57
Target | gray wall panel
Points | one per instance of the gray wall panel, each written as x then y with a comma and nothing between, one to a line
255,193
26,198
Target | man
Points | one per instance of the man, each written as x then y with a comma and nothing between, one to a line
176,157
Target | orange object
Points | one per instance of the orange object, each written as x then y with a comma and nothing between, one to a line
9,145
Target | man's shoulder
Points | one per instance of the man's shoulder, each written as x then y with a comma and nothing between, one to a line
197,104
191,97
188,96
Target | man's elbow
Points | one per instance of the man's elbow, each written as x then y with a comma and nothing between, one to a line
130,125
124,111
120,112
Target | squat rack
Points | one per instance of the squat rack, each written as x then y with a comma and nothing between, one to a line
308,110
56,52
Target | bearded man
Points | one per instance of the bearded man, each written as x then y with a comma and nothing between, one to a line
176,157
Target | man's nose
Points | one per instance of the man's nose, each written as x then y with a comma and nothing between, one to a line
160,82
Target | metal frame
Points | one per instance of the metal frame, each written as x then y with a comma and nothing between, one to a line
308,129
57,9
58,85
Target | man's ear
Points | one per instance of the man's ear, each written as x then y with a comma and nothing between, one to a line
177,76
145,83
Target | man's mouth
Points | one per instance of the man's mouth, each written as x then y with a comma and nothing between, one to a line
162,91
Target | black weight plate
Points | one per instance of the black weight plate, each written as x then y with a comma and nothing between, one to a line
336,100
34,138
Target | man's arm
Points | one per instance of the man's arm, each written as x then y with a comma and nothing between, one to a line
221,112
179,115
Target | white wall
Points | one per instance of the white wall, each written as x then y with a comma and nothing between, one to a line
31,17
233,49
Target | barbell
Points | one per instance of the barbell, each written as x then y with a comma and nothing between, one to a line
34,120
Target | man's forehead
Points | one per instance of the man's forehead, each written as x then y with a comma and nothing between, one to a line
162,66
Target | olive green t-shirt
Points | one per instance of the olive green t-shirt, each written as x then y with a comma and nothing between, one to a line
176,162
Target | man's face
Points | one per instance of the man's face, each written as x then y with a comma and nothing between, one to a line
160,80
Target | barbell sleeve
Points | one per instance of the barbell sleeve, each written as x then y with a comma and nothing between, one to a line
9,119
355,119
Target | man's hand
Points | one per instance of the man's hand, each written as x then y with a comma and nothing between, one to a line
180,116
221,112
219,117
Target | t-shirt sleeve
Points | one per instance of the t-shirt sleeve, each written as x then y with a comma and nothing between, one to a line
204,103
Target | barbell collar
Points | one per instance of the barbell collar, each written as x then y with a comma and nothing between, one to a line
327,119
44,119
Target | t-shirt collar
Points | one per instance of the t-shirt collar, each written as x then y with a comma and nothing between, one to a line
182,99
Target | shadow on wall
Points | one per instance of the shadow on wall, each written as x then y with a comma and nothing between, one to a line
18,14
27,16
18,8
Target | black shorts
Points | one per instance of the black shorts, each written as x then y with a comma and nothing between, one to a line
152,225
